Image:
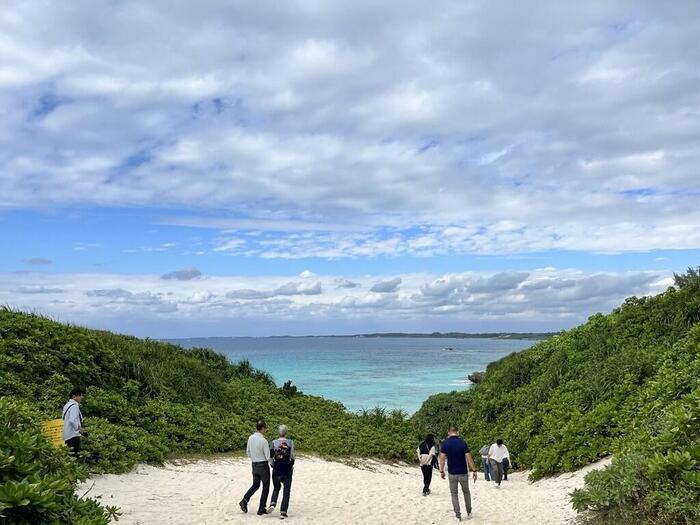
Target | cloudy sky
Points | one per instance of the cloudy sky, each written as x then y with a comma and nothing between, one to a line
216,168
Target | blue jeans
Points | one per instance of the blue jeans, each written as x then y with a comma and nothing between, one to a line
487,469
506,465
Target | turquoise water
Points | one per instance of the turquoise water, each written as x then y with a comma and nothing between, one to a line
364,372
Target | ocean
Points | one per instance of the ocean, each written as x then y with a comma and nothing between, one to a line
366,372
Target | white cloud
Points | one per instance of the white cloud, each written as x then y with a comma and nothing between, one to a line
299,289
389,286
542,299
346,283
186,274
503,237
290,288
579,126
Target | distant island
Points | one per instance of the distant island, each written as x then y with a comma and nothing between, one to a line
462,335
534,336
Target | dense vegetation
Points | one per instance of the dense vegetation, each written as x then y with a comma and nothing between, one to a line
37,480
626,384
147,401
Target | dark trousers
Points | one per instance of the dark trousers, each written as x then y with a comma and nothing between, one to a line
487,469
506,464
496,471
74,445
261,474
427,477
277,482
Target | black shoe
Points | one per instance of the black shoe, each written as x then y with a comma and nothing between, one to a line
283,515
243,505
261,512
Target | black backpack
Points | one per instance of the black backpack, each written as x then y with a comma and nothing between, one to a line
283,452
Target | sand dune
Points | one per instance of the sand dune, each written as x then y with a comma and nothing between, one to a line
208,492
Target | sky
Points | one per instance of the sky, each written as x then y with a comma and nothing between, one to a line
177,169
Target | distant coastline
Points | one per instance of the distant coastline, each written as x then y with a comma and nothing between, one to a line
534,336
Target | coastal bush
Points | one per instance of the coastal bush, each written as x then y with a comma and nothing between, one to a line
657,471
148,401
38,480
625,384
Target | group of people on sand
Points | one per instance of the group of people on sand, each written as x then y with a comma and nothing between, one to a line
274,461
278,455
455,452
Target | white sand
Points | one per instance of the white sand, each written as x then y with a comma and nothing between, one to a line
208,492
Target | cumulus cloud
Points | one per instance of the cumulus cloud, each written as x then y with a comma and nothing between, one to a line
346,283
496,283
248,294
540,299
290,288
299,289
370,300
126,296
389,286
113,293
186,274
575,130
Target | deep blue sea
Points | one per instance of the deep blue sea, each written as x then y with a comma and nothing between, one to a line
364,372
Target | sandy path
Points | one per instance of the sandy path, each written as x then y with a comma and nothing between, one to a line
208,492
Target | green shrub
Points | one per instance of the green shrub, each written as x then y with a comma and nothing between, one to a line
147,401
624,384
38,480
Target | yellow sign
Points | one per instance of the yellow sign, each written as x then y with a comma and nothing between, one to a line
53,429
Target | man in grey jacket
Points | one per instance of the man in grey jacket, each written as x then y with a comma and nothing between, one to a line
73,421
258,450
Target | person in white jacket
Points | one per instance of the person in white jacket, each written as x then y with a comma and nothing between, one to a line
427,452
497,452
73,421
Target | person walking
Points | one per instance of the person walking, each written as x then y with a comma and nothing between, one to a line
497,452
426,454
73,421
506,464
258,450
456,451
282,450
484,452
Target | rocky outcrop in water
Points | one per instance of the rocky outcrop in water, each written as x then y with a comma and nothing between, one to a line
476,377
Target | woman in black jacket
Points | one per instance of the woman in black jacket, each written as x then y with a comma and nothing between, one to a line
427,453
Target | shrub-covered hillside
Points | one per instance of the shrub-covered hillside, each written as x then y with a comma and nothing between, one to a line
626,384
147,400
